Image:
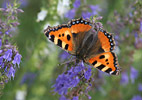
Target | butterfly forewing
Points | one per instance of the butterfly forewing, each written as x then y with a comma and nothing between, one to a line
65,35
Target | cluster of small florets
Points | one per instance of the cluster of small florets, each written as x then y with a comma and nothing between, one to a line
9,55
73,82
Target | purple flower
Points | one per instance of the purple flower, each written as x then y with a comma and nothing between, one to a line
62,85
95,9
7,32
137,97
87,74
17,59
65,81
76,4
124,78
28,78
140,87
79,68
8,55
86,15
133,74
1,60
0,43
11,72
64,56
24,3
140,26
70,14
75,98
62,98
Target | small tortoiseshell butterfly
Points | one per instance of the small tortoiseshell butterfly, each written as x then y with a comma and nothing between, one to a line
80,39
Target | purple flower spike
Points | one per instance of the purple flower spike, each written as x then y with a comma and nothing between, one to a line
8,55
76,4
17,59
140,87
133,74
137,97
70,14
75,98
87,74
11,72
124,78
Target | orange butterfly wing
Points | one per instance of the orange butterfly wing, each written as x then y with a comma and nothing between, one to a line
106,40
105,62
62,35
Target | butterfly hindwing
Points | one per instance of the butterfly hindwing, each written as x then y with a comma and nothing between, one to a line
106,40
105,62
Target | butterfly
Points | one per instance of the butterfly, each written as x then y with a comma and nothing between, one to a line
79,38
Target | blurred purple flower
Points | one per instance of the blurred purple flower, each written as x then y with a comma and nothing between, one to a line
124,78
140,87
76,4
133,74
28,78
64,55
11,72
17,59
1,51
8,55
140,26
87,74
70,14
62,98
24,3
7,32
95,9
0,43
75,98
137,97
86,15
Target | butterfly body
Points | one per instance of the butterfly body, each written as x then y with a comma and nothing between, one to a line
79,38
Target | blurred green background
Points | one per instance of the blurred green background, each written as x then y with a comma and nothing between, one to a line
38,69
